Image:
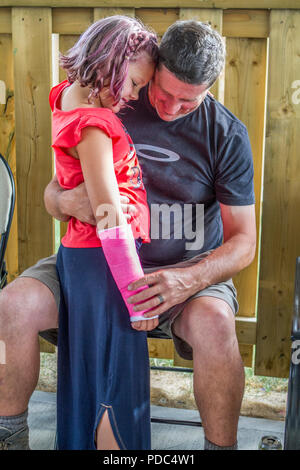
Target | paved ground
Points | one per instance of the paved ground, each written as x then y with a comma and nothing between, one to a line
42,424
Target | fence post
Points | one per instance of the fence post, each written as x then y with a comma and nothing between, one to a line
280,241
31,31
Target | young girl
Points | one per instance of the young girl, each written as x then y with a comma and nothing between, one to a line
103,366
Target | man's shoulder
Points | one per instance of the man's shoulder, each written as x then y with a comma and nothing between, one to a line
221,116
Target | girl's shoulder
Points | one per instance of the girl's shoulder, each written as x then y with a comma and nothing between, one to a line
67,125
89,111
56,92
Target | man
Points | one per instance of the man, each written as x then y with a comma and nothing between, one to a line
194,155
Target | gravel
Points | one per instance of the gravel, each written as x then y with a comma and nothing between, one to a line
175,390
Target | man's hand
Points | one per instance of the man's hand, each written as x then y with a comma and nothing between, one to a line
76,203
63,204
175,285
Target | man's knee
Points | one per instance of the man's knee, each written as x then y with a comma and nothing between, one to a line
27,302
206,321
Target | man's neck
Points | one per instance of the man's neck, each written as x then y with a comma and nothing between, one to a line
149,94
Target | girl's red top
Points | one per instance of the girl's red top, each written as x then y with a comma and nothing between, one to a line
66,133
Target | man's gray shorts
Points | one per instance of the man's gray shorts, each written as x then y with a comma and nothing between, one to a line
45,271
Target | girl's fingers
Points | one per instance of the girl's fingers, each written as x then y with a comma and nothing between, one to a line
145,325
136,325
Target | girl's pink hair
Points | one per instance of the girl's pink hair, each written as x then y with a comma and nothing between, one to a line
104,51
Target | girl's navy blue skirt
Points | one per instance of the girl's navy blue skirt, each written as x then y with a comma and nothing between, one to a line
103,362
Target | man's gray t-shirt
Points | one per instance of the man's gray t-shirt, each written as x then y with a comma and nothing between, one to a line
189,165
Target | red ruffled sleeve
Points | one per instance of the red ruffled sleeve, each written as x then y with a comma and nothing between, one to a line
67,129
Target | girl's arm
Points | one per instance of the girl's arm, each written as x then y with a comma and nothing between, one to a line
96,158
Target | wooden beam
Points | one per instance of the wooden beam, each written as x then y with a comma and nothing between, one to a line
71,20
160,348
245,351
178,361
159,18
100,13
246,23
5,20
246,354
245,330
246,333
280,242
236,23
31,31
206,15
224,4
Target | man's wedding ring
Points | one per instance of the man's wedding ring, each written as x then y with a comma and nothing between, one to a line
161,299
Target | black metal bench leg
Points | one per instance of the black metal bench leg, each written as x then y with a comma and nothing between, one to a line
292,421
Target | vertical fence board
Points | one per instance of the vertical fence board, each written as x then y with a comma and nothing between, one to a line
245,87
7,140
31,29
215,19
280,243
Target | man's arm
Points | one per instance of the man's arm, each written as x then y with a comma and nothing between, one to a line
237,251
63,204
178,284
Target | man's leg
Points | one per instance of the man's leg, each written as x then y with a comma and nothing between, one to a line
27,306
207,324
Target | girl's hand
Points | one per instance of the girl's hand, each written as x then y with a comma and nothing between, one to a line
145,325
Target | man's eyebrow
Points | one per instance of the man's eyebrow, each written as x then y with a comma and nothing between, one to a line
165,91
190,100
181,99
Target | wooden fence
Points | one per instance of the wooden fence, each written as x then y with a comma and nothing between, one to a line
260,85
